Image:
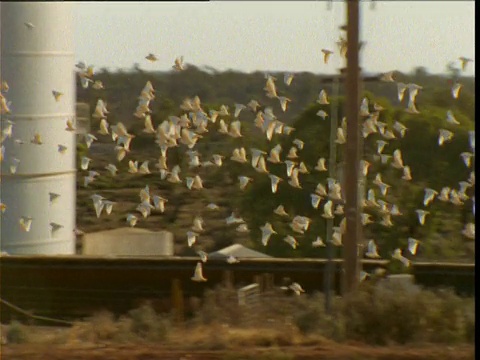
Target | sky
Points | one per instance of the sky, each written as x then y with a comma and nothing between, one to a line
273,35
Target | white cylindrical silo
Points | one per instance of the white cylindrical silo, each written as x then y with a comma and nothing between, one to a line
37,58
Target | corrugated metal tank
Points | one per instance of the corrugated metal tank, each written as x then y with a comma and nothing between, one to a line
35,61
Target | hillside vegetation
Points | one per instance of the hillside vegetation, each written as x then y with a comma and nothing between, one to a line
431,165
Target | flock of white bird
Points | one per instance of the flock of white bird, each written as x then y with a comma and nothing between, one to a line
187,129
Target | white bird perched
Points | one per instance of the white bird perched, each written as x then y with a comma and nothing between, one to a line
198,274
159,203
191,238
412,245
321,165
471,139
469,231
456,90
267,231
400,128
289,239
401,87
294,181
283,102
280,210
444,136
397,254
327,210
429,196
326,55
85,162
89,139
318,242
232,260
275,180
372,251
421,214
287,78
464,61
397,159
179,66
322,114
451,118
25,223
467,158
244,181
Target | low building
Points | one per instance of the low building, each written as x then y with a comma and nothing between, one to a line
238,251
128,241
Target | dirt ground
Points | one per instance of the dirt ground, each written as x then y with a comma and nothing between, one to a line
153,352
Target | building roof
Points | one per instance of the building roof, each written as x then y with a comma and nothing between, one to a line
239,251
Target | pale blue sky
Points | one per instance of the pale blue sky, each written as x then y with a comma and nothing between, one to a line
271,35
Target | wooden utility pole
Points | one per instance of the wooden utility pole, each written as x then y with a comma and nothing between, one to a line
353,150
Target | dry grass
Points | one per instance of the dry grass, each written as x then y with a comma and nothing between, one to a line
376,315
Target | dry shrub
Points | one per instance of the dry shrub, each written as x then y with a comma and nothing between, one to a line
140,324
17,333
385,314
147,324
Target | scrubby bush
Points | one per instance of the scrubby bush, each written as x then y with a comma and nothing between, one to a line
17,333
